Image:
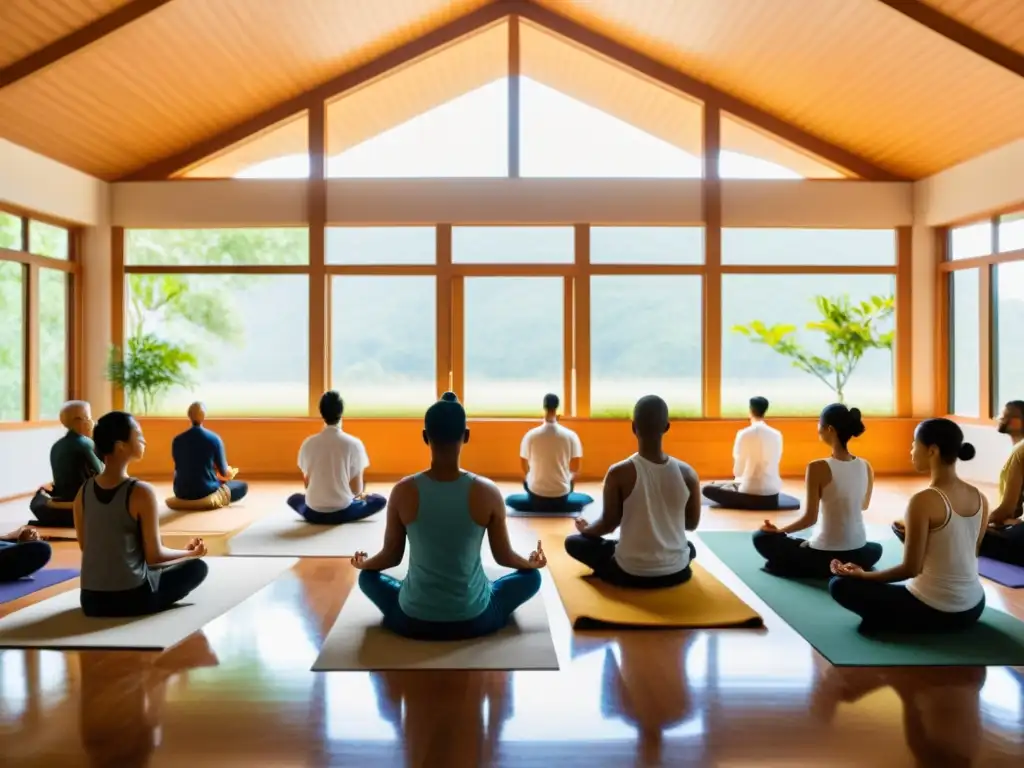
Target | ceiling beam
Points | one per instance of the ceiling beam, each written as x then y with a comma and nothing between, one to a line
77,40
960,33
348,81
483,17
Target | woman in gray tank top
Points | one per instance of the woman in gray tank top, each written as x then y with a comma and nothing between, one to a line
126,570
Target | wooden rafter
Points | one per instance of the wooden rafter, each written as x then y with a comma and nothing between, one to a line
77,40
479,19
960,33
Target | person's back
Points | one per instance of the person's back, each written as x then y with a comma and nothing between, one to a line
72,462
446,579
949,580
330,460
758,454
652,541
195,452
841,525
549,449
113,558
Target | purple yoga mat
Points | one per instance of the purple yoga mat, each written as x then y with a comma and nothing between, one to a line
12,590
1003,573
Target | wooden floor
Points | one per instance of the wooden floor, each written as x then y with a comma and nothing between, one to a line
240,693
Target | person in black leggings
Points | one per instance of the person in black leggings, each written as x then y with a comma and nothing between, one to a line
22,554
944,525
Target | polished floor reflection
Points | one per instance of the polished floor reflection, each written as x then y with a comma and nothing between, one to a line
240,693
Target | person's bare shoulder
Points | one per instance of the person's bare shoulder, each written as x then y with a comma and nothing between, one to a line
485,490
688,472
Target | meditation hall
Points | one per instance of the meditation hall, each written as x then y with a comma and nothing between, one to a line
469,383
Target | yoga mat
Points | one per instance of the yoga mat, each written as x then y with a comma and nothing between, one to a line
590,603
59,623
516,513
1002,573
997,640
12,590
224,520
786,503
357,641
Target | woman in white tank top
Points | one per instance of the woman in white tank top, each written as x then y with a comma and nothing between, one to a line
838,492
944,525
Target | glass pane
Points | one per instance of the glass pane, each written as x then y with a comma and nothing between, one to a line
645,339
10,231
833,247
383,344
217,247
48,240
1011,232
513,245
965,355
53,342
247,334
782,307
970,241
1009,332
647,245
513,349
12,340
280,152
381,245
751,153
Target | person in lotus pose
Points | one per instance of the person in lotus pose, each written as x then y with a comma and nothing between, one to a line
943,527
201,469
756,457
444,513
22,554
656,500
1004,539
838,491
73,460
126,569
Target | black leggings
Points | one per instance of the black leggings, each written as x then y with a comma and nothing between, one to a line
47,516
23,559
892,607
1005,544
599,555
788,556
730,499
176,581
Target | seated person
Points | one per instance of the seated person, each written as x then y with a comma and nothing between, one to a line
201,468
656,500
944,526
332,464
126,569
756,456
1004,538
841,486
22,554
73,460
551,456
444,512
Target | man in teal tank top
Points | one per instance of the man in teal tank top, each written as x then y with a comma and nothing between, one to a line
444,513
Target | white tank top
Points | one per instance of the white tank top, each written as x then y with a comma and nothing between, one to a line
949,579
652,537
841,516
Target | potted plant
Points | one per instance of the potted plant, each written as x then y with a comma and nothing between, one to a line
148,367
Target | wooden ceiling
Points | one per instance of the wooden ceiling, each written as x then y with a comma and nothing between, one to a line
857,74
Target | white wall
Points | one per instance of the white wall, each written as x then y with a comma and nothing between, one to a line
983,185
38,184
992,451
25,459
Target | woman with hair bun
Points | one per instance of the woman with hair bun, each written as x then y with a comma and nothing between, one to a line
840,486
943,526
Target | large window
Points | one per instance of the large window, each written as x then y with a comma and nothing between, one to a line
513,344
802,247
383,344
646,245
217,247
965,354
37,267
512,245
381,245
1009,347
645,340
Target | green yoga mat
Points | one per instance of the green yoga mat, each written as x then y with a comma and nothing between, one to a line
996,640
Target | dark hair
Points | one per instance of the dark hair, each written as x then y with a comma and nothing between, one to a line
331,407
445,422
1019,405
112,428
759,406
947,436
845,421
650,416
551,402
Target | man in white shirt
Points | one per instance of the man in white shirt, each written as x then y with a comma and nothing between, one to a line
332,464
756,457
551,456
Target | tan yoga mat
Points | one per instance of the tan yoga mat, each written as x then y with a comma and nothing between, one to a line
60,624
225,520
357,641
701,602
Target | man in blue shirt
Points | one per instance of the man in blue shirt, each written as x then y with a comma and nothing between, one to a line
200,466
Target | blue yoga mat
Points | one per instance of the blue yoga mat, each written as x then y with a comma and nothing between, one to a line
12,590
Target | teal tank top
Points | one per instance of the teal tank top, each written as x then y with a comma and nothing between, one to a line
446,580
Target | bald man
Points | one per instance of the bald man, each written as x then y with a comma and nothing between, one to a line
73,460
200,465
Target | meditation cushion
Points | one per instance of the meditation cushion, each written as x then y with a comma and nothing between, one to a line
219,498
786,502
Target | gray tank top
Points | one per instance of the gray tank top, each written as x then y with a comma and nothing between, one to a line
114,559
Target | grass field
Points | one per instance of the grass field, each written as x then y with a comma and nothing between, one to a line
609,399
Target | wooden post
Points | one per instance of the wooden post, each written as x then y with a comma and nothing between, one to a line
712,326
904,321
443,308
316,212
514,68
117,316
581,318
